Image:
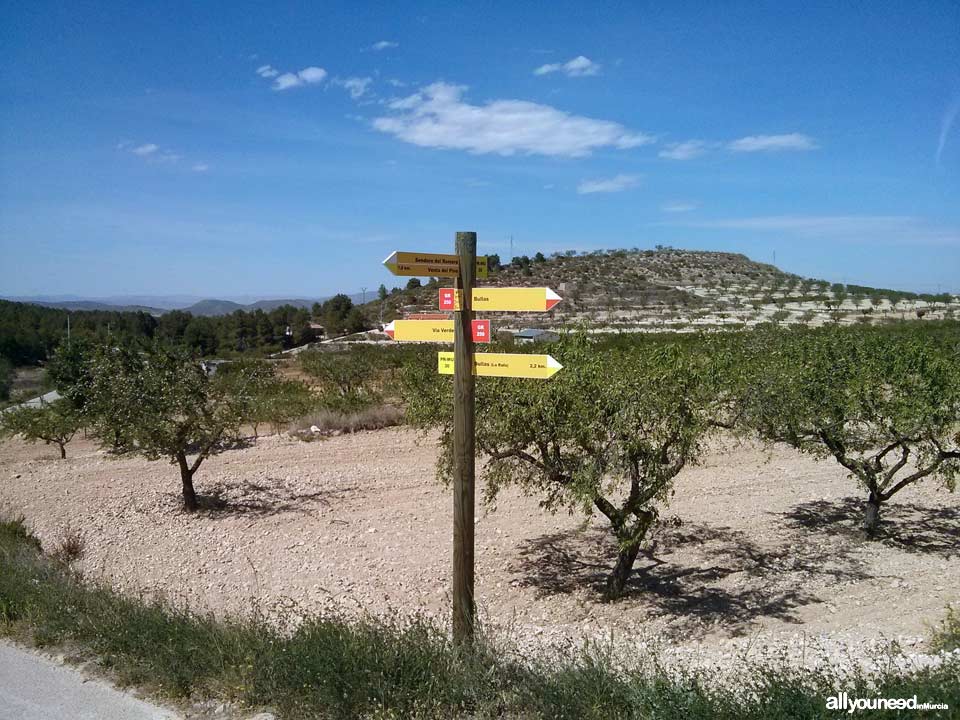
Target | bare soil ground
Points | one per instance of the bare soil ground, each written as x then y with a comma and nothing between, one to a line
765,543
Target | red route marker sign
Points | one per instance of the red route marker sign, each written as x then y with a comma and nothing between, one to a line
448,299
481,331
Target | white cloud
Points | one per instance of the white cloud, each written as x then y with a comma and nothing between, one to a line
356,86
773,143
887,229
312,74
580,66
437,116
678,207
200,167
308,76
286,81
267,71
384,45
617,183
153,154
685,150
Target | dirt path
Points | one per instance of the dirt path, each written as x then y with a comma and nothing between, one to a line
766,542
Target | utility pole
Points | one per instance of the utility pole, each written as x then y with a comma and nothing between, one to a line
464,471
364,290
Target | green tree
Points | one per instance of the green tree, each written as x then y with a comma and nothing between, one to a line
347,378
539,258
55,423
281,401
336,310
607,434
68,369
356,321
265,396
382,293
6,378
884,407
414,283
162,403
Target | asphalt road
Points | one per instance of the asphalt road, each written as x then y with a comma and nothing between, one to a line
35,688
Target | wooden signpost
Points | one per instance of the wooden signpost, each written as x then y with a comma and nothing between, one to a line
464,267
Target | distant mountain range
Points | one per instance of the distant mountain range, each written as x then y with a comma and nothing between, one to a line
160,304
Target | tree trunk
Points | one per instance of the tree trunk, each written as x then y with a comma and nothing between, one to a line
621,571
871,515
186,477
63,451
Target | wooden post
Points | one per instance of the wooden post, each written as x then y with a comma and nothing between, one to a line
463,443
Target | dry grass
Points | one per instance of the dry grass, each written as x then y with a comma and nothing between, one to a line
333,422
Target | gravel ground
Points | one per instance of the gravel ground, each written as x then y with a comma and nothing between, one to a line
759,551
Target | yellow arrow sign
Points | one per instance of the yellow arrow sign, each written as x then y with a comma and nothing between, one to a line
510,299
433,330
430,265
538,367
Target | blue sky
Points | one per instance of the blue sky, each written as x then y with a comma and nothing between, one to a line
224,149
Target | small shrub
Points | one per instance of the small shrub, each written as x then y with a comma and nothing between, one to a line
947,635
70,547
14,531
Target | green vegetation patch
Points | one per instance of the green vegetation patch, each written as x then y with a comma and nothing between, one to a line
328,667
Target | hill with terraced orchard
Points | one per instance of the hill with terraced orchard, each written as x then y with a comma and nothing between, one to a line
668,288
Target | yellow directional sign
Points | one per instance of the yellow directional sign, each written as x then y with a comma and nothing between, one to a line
510,299
433,330
430,265
420,330
539,367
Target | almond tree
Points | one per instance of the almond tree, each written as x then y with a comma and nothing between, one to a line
607,434
55,423
884,406
162,403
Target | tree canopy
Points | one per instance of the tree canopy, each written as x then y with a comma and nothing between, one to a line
607,434
884,406
55,423
162,403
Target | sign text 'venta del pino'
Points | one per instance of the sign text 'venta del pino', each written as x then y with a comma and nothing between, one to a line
429,264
